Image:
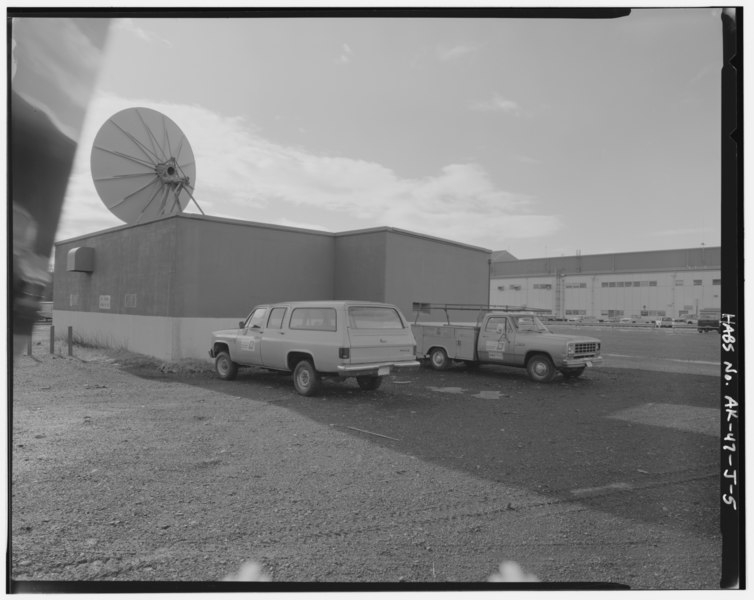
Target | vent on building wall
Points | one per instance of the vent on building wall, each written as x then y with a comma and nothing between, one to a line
81,259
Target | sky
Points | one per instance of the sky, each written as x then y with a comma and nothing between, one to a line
536,136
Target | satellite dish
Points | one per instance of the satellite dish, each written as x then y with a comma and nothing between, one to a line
143,166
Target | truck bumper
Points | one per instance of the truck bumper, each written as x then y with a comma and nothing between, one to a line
574,363
378,369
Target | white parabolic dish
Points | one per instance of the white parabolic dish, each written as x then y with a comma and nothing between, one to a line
142,165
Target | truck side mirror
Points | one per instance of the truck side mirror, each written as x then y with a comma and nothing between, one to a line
240,324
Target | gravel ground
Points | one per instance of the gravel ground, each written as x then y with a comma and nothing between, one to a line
125,470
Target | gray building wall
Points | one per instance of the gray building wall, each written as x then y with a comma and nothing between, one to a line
162,287
187,266
421,269
225,267
127,260
401,267
361,265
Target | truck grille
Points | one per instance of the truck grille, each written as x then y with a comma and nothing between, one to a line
585,349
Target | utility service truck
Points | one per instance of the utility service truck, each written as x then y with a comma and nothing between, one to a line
510,336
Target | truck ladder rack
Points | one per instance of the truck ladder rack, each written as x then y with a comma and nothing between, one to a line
425,307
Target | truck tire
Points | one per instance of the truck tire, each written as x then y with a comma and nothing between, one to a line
369,382
439,360
306,380
540,368
225,367
573,373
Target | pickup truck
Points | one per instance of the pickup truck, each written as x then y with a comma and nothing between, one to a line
709,320
312,340
516,339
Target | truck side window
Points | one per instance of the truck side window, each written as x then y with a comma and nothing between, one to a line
317,319
493,322
276,318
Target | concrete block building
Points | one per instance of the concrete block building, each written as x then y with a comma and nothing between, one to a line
161,287
674,283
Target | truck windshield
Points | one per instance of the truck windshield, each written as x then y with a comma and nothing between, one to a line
256,318
530,323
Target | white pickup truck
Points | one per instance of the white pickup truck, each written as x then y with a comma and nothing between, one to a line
510,337
342,339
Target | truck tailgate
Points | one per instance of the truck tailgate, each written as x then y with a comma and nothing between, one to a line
381,346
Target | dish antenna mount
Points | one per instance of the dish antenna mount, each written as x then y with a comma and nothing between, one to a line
142,165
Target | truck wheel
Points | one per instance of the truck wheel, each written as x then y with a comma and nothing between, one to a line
438,358
306,380
540,368
225,367
573,373
369,382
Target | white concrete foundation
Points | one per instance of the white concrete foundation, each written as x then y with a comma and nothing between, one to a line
165,338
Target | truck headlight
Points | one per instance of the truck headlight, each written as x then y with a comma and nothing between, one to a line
570,349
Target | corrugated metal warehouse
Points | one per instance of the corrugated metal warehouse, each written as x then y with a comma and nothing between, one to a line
161,287
674,283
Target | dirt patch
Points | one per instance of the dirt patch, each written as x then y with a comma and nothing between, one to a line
125,468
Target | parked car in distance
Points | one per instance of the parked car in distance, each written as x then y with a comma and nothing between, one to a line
709,320
664,322
312,340
627,320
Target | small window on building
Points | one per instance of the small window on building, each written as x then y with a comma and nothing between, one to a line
715,282
604,284
697,282
542,286
679,281
619,284
516,287
611,284
501,288
652,284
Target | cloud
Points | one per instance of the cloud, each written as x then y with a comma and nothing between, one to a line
242,175
450,53
497,104
346,55
130,26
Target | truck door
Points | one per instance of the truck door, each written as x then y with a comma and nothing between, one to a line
274,344
494,339
248,342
